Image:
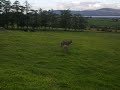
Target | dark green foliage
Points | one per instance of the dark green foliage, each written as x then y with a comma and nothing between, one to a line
2,20
44,18
78,22
19,17
14,16
53,20
34,20
22,20
65,19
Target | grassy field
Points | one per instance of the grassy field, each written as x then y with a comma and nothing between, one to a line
35,61
104,22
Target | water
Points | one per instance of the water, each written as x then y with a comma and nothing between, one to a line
104,16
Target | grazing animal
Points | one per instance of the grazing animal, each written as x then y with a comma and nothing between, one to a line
65,44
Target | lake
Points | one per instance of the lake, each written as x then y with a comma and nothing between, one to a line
103,16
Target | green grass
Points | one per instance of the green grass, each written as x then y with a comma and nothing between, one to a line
104,22
35,61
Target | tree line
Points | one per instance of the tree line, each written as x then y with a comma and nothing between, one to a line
22,17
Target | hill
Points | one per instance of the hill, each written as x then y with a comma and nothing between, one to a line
99,12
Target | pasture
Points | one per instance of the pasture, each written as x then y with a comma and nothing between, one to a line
104,22
35,61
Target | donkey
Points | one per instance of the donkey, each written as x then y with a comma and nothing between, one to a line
65,44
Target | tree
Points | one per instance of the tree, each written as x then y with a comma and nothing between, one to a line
44,18
51,19
22,20
16,7
27,9
1,11
56,21
82,22
7,7
34,19
74,22
22,9
78,22
21,16
65,19
2,2
12,20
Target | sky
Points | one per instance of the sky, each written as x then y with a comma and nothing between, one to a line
72,4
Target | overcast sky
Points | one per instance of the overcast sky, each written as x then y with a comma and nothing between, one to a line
73,4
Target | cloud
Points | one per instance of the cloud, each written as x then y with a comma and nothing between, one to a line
86,5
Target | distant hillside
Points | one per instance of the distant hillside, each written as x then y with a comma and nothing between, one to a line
99,12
